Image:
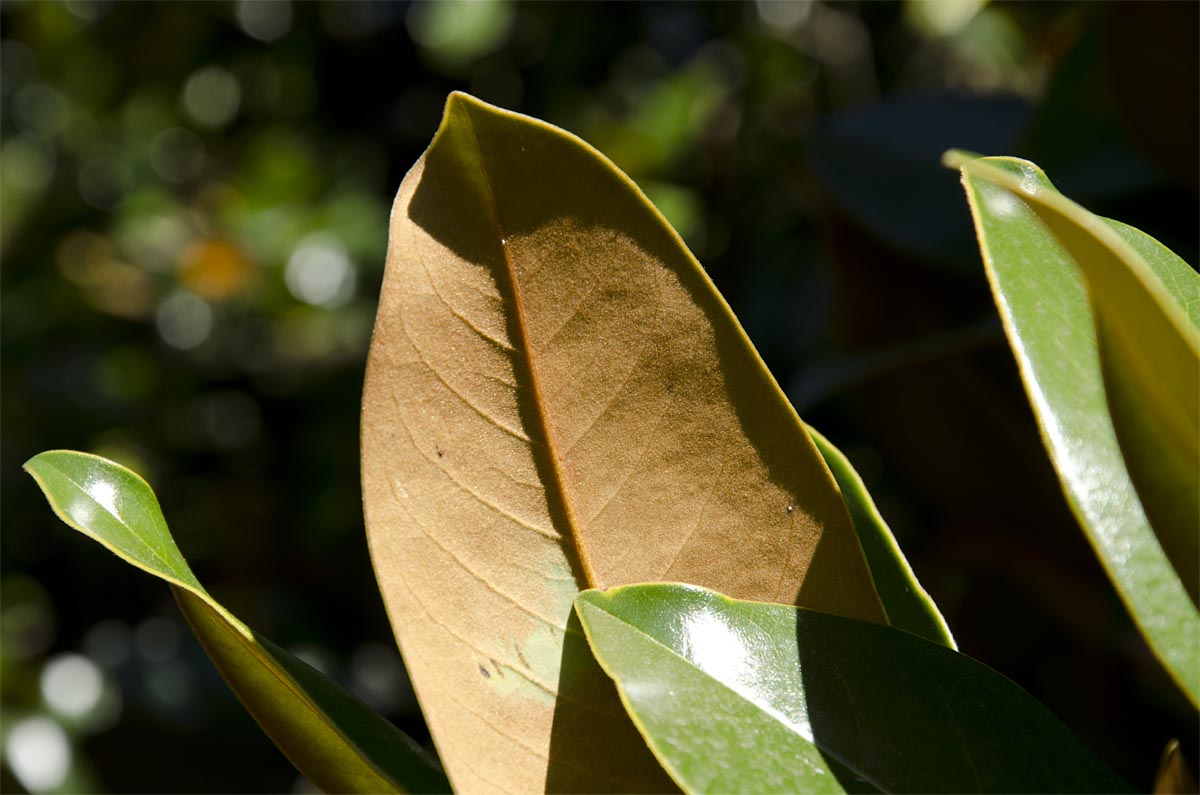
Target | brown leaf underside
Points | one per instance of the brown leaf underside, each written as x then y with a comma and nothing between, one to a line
556,399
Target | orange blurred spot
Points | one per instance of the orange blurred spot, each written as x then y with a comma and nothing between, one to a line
110,284
215,269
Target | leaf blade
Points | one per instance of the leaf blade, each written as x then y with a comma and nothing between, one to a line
551,367
1043,303
814,684
107,510
906,602
331,737
1149,352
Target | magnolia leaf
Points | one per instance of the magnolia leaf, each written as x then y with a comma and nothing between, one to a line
1041,285
331,737
736,696
1149,350
557,398
906,603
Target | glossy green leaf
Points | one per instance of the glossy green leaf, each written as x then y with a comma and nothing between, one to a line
738,696
1178,278
1165,466
1149,350
557,398
906,603
339,743
1041,288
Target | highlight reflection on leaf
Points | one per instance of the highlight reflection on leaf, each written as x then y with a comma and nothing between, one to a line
826,703
1060,276
328,734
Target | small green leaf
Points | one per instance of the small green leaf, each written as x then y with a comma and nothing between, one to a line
339,743
737,696
114,506
1041,274
906,603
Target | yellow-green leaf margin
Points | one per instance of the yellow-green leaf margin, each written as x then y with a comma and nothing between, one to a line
331,737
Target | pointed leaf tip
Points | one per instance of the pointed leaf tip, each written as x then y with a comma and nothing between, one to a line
1095,315
114,506
334,739
957,158
554,381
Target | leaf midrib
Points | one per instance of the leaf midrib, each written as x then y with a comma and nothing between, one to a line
264,658
1074,485
525,347
171,571
183,588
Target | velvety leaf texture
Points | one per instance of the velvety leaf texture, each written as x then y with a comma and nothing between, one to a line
557,398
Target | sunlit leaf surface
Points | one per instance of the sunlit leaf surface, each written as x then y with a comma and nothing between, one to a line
740,696
557,398
339,743
1040,264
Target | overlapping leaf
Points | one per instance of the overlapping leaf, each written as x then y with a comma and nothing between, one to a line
558,398
1108,356
906,603
738,696
339,743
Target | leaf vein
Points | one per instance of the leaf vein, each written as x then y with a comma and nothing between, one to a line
136,535
528,525
490,585
538,401
630,471
620,388
501,344
699,517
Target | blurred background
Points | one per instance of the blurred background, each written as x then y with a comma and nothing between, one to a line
194,208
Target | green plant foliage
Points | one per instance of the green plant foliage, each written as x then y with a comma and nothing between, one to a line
906,603
738,696
327,733
1044,257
